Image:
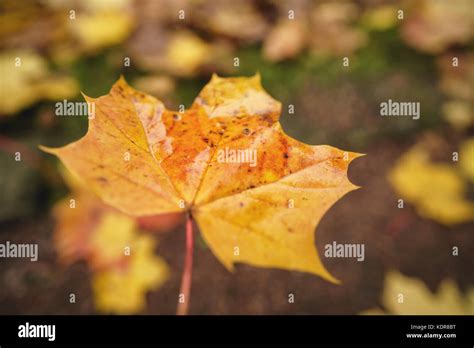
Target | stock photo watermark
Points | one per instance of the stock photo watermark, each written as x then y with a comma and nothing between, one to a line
228,155
14,250
70,108
394,108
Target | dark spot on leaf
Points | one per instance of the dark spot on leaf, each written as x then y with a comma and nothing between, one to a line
102,180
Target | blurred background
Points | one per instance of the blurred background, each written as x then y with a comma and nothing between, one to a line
414,212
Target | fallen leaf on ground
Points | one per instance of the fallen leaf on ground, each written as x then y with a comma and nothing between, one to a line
436,190
178,52
285,40
466,159
122,289
101,29
456,81
121,258
410,296
238,20
434,25
332,30
458,114
26,79
156,85
185,53
260,208
87,229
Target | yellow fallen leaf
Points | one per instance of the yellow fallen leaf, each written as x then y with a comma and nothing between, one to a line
456,81
26,79
458,114
122,260
87,229
89,5
435,189
405,295
185,53
259,209
434,25
286,40
104,237
160,85
102,5
102,28
466,158
380,18
75,227
239,20
123,289
332,30
112,235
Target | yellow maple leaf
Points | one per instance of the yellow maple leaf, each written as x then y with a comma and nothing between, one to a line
261,209
101,236
435,189
185,53
26,79
112,235
405,295
123,289
102,28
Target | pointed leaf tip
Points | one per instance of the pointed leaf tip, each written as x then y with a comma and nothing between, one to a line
47,149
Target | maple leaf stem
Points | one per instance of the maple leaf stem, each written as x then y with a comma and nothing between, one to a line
185,291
